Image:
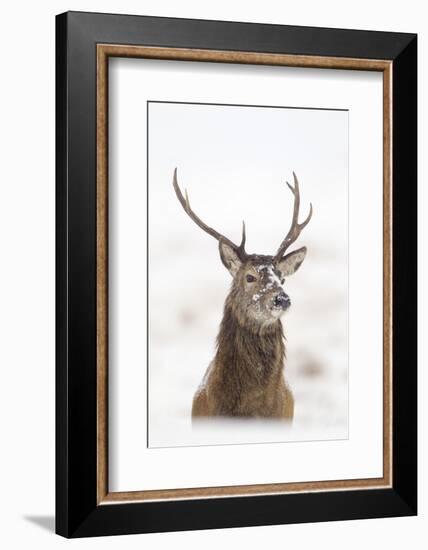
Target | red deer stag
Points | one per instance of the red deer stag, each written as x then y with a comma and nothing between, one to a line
246,378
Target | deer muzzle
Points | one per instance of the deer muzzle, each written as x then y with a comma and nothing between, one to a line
282,301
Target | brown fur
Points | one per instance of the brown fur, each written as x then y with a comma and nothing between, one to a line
246,375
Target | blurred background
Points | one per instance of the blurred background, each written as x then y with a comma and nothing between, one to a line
234,161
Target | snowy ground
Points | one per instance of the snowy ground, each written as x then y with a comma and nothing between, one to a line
181,348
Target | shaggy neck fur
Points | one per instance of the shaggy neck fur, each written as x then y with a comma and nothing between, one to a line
249,353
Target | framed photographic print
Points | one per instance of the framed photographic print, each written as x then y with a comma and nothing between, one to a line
236,274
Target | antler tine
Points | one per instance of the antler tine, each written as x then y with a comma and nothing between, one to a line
185,203
296,227
243,239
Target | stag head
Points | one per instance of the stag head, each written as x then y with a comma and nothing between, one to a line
258,280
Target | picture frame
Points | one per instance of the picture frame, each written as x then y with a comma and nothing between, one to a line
84,44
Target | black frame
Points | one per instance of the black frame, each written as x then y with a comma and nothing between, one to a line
77,513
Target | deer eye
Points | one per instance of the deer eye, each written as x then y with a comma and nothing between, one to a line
282,281
250,278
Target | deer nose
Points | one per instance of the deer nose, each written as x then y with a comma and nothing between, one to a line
282,300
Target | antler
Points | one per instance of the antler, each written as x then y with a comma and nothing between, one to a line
296,227
240,250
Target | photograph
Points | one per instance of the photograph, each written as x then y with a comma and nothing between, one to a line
235,275
247,274
212,303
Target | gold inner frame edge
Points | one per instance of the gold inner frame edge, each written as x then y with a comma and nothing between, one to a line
104,51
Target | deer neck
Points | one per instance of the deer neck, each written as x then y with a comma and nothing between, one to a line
252,352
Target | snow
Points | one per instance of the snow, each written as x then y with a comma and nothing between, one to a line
184,325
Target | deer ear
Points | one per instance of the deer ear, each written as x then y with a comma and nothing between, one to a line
290,263
229,258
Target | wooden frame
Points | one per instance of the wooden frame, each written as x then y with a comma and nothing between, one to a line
84,504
